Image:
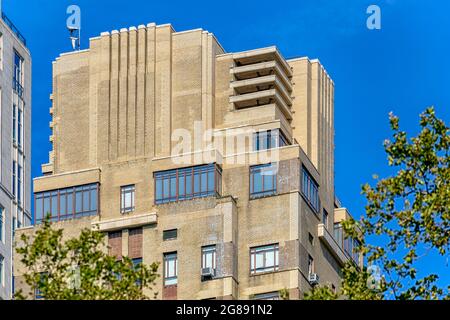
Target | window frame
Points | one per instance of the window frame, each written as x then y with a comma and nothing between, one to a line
257,169
206,251
265,249
173,279
179,189
74,198
124,191
310,190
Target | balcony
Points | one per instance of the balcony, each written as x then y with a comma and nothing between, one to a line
329,241
261,77
14,29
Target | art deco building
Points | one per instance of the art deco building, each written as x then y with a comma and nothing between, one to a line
218,165
15,120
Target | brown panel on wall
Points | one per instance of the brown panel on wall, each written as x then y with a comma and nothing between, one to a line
135,243
170,293
115,244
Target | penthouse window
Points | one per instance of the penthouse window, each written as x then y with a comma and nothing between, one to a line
264,259
310,190
188,183
263,180
269,139
68,203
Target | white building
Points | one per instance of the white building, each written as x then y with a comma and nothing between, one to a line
15,145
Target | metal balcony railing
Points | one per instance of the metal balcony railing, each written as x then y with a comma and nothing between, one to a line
14,29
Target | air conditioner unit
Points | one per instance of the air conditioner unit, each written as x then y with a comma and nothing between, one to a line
313,278
208,272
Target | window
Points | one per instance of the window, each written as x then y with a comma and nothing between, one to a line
310,190
209,257
19,128
1,51
310,265
270,139
170,234
170,269
18,74
311,239
264,259
38,294
2,271
68,203
14,166
325,218
263,180
19,183
188,183
127,199
2,224
136,261
267,296
14,124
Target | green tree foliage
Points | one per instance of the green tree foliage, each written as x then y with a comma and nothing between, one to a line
407,216
80,268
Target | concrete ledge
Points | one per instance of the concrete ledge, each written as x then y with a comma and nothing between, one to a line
126,222
66,180
331,244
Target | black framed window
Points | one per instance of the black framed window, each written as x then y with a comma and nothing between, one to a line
263,180
310,190
269,139
68,203
170,234
18,74
188,183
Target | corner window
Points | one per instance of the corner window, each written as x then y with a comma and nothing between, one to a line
263,180
269,139
170,269
187,183
264,259
68,203
127,195
310,190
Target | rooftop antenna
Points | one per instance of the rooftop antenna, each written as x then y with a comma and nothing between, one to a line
74,26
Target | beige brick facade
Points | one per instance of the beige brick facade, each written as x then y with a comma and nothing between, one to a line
116,107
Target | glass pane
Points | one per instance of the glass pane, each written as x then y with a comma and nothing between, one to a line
211,181
70,203
270,259
78,202
173,187
189,184
158,189
166,188
259,260
196,182
257,182
181,190
46,206
268,182
94,199
204,182
39,209
85,201
62,204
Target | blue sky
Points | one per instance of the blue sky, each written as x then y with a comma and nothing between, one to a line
403,67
